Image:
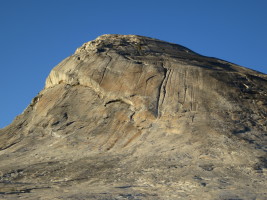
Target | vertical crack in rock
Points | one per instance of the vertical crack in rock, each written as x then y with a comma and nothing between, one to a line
162,90
185,88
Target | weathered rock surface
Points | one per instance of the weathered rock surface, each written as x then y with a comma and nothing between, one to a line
131,117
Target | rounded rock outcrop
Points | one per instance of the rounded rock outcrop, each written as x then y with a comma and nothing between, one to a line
130,116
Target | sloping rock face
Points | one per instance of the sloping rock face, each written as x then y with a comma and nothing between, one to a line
131,117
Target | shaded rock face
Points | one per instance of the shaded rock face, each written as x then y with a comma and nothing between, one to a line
131,117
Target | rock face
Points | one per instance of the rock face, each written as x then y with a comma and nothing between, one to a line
131,117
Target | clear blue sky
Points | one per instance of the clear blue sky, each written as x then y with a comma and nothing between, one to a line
37,34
